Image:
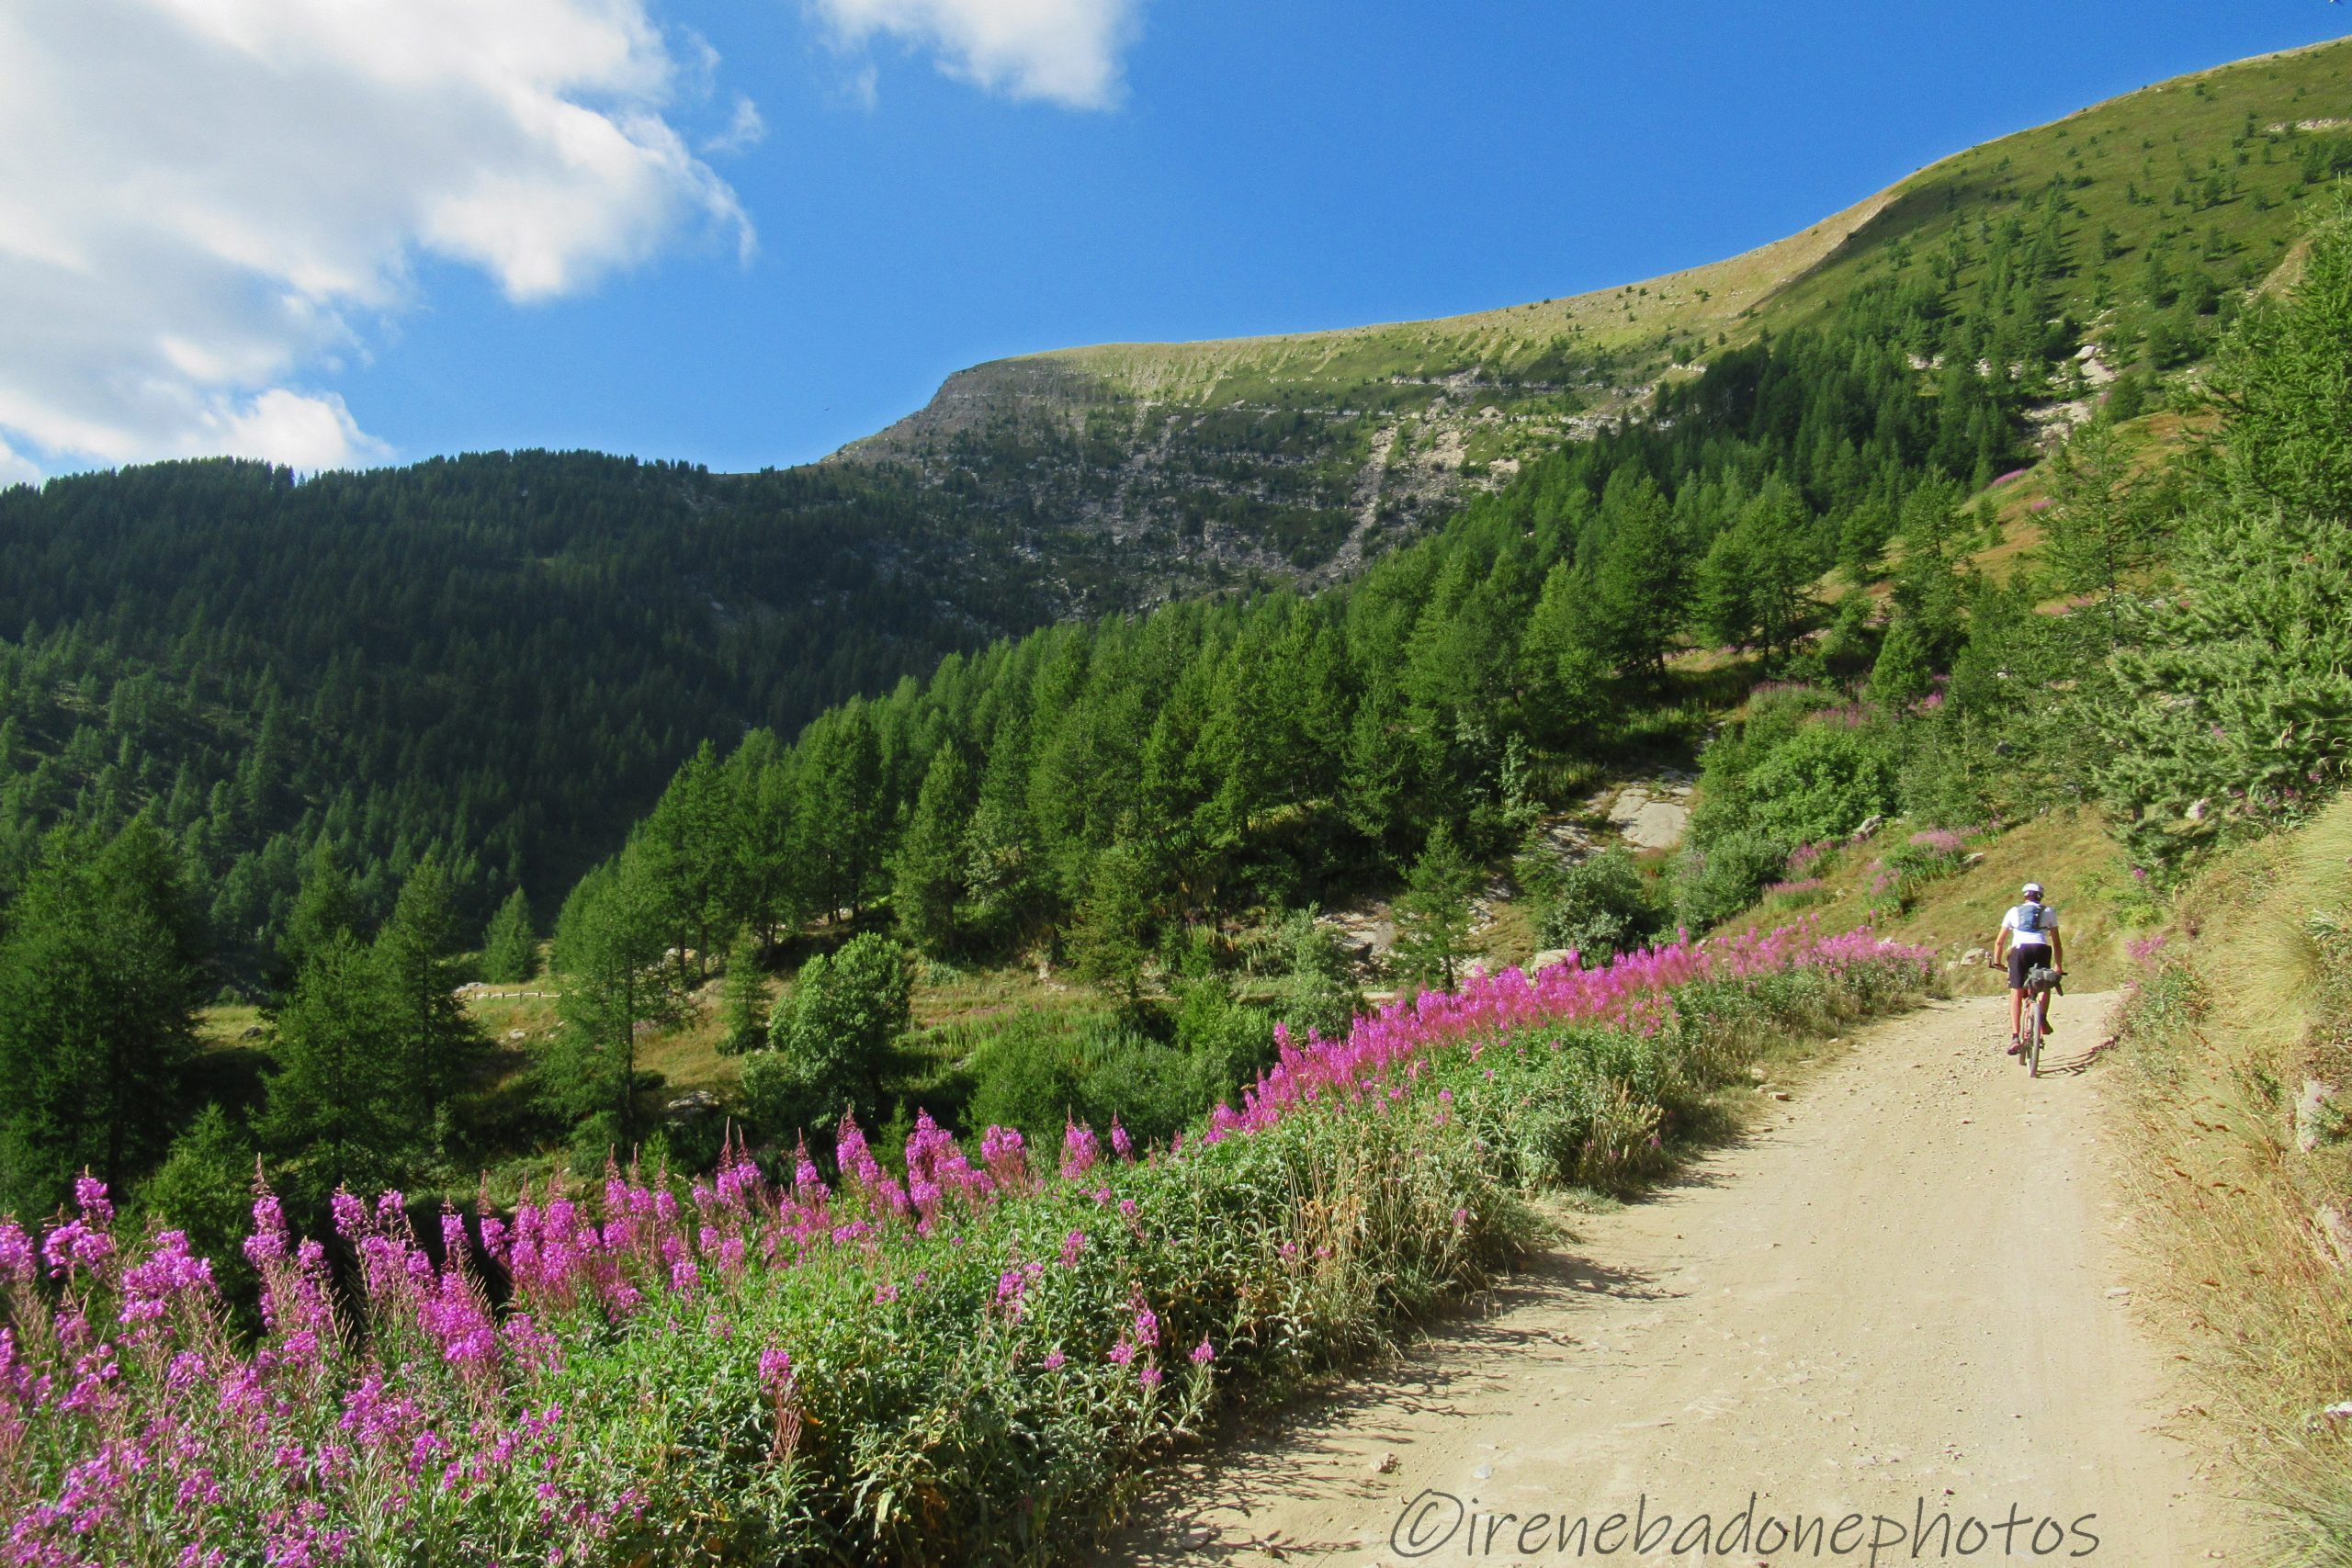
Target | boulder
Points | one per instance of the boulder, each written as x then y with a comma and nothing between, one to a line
2314,1114
1870,824
691,1106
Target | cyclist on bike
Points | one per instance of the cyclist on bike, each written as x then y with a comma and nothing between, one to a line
2029,940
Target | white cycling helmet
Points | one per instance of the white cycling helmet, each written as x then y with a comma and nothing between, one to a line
2033,889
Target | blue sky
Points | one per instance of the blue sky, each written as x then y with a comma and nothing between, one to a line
1241,168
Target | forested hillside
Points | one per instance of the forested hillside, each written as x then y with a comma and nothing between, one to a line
496,658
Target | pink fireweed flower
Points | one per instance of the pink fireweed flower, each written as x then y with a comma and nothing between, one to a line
1123,1352
17,1264
1008,1287
150,1287
1146,1327
77,1246
1122,1146
1201,1353
90,1196
1078,1151
1072,1244
807,1186
267,1243
1054,1359
1006,1154
775,1369
1150,1377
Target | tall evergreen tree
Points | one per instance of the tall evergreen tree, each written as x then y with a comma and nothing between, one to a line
2100,531
1111,938
2238,689
610,942
343,1109
510,945
1639,588
325,912
928,880
743,999
1433,915
99,977
437,1043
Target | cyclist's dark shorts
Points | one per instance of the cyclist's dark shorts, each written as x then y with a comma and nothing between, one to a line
2024,959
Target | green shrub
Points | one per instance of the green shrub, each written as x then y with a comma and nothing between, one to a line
1820,783
831,1039
1717,880
1601,906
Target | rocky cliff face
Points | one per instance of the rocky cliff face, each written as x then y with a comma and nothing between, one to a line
1145,471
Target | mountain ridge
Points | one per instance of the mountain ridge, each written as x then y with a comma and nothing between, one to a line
1293,456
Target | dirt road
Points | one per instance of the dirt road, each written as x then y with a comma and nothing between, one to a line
1868,1307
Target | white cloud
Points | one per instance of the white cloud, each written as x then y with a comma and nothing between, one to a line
202,201
746,130
1066,51
14,470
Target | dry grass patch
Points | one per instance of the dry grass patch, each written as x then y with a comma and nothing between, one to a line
2238,1044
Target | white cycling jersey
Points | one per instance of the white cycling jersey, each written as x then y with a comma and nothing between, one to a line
2030,925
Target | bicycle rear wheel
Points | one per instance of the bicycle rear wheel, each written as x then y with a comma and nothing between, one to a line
2032,1052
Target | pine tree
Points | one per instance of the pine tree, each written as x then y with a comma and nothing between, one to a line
2238,689
98,974
2100,531
204,1186
610,945
417,955
1433,915
1111,938
343,1109
325,910
683,846
1638,589
929,877
1903,674
510,946
1565,679
743,999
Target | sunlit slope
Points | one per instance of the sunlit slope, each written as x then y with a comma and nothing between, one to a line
1296,454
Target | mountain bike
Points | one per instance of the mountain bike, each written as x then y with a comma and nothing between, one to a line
2040,981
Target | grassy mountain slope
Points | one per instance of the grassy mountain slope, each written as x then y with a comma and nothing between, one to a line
1299,455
